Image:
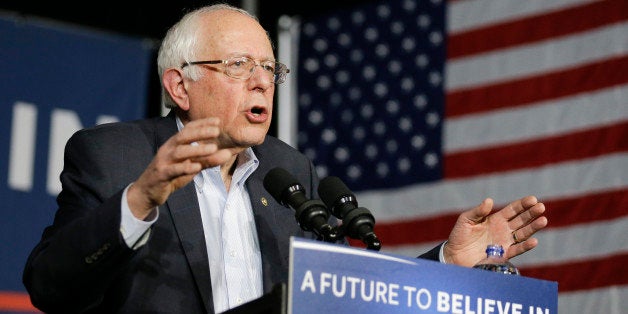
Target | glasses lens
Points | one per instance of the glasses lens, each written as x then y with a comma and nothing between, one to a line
280,71
240,67
243,67
269,66
274,70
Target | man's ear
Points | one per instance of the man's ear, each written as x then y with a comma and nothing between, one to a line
172,80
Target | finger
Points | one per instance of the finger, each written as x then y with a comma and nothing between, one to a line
197,135
193,151
478,214
529,201
197,131
186,168
217,158
527,216
522,234
166,172
514,208
522,247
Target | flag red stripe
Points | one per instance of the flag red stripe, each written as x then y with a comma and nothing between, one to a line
16,301
544,151
544,86
586,209
584,274
485,95
536,28
560,212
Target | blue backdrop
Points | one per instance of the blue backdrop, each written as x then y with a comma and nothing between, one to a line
56,78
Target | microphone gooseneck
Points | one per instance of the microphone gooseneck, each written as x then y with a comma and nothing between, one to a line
312,215
357,222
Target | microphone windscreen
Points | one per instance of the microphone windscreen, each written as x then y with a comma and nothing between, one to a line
277,180
331,188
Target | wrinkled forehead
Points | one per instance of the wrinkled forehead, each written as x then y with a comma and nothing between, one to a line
227,33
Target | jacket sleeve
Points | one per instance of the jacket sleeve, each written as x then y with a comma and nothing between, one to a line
80,254
433,254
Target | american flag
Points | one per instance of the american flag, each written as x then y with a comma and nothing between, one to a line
424,108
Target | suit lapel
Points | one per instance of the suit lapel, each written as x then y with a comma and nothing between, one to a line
273,223
183,208
186,216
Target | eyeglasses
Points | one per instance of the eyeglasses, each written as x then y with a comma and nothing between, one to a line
243,68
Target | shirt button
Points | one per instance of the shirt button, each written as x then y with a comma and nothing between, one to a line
232,253
239,300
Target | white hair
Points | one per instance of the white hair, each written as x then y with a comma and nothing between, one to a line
180,43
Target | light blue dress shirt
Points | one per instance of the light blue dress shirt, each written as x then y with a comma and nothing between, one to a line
234,255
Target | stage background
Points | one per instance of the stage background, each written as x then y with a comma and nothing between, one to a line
56,79
532,101
424,108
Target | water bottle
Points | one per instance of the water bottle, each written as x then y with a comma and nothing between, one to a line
495,261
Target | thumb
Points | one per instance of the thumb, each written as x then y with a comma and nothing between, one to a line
478,213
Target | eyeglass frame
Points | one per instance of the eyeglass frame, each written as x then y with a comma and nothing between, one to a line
282,75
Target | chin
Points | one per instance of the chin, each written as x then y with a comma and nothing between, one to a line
257,134
249,136
258,141
249,141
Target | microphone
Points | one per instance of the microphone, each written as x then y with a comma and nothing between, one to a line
357,222
312,215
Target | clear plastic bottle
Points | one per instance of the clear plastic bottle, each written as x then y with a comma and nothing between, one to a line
495,261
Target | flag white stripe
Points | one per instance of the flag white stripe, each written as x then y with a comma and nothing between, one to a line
609,300
547,118
577,112
592,175
578,242
556,245
467,15
537,58
564,116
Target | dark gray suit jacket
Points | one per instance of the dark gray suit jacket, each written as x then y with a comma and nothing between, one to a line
82,264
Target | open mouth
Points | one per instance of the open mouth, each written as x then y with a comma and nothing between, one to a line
257,111
258,115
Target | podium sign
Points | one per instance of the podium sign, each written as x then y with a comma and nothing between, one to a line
332,278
